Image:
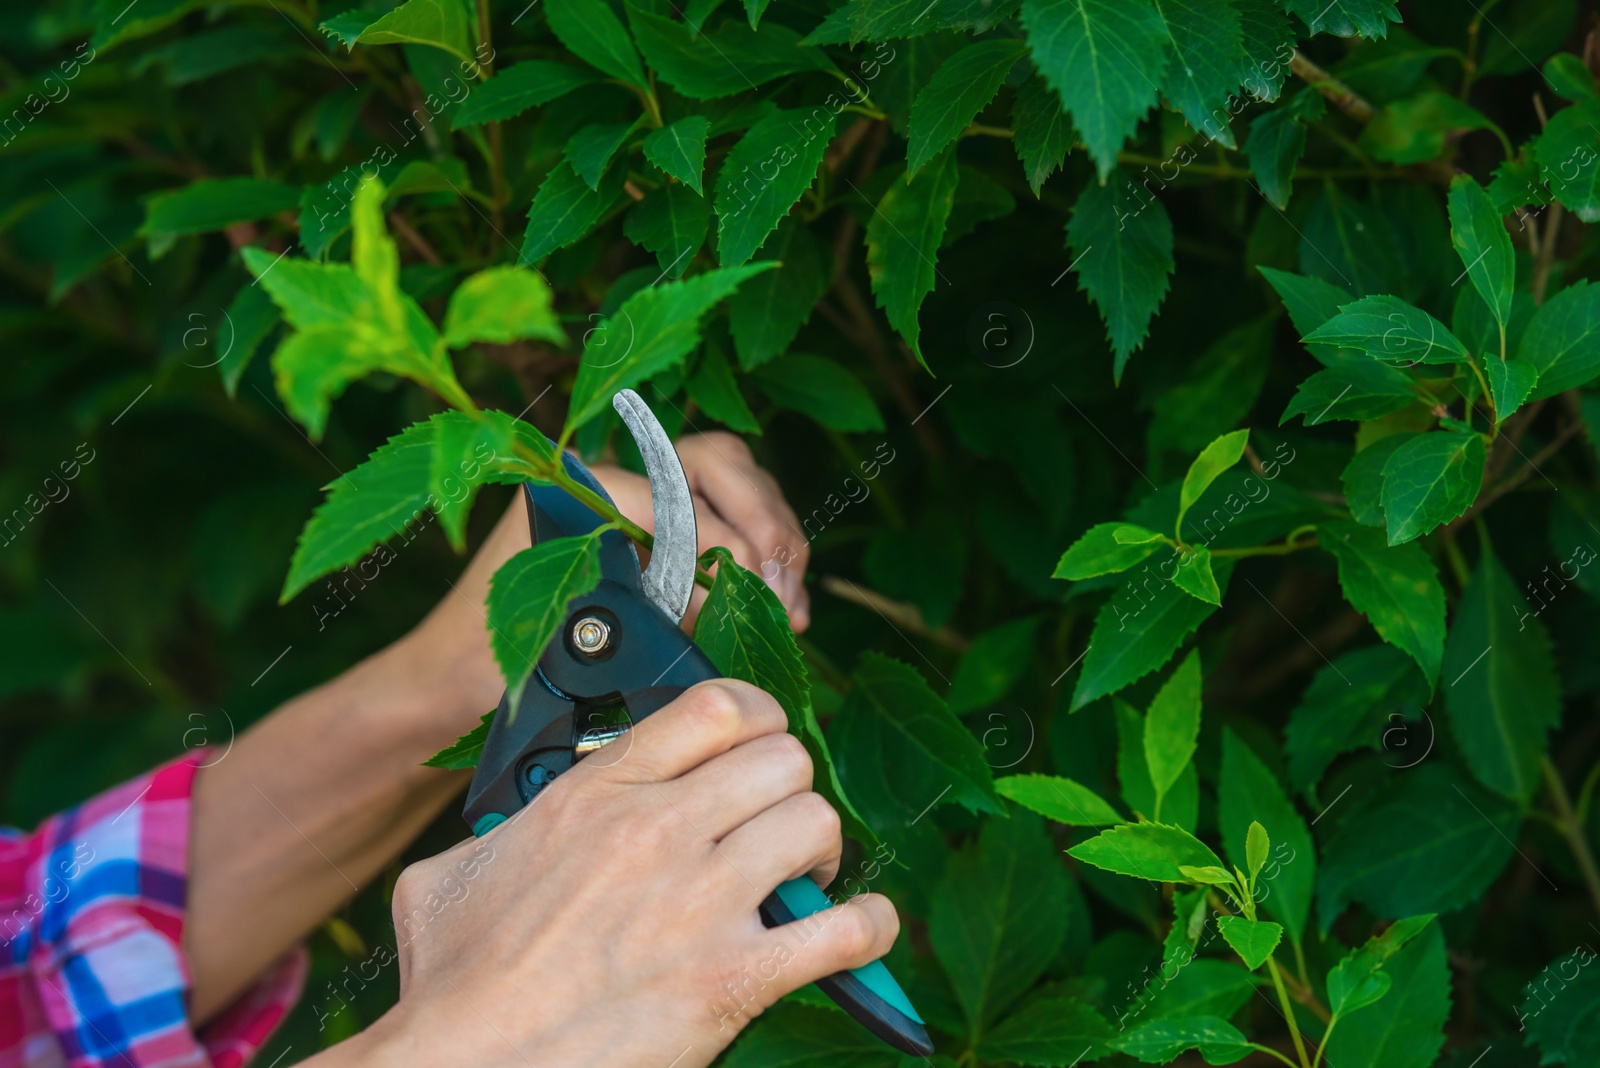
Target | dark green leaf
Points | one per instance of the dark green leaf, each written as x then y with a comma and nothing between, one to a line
1043,134
1429,480
1563,340
1352,702
714,389
517,88
1480,239
1510,383
1310,303
1406,1028
1363,478
1387,328
447,24
465,751
732,60
592,31
1049,1031
1355,391
1346,18
1058,799
1417,129
1358,979
802,1036
1277,141
1568,76
565,209
996,661
903,239
820,389
1567,152
960,89
1121,239
1559,1010
1395,586
1269,41
679,148
1159,1041
250,319
764,174
214,203
671,222
1216,393
1207,62
769,310
591,149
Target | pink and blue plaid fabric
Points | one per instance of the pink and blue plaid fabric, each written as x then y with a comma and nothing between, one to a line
92,971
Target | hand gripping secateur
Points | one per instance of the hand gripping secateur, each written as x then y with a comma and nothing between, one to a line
619,656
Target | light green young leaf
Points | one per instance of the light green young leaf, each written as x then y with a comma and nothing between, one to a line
960,89
1563,339
1172,727
903,239
1214,459
1257,846
501,305
750,204
1358,979
528,600
593,33
1181,807
1480,239
1153,851
671,222
1043,134
744,630
1195,577
1504,696
1160,1041
1429,480
1395,586
819,388
1101,552
1253,940
1105,58
1121,239
768,311
1248,791
679,148
652,331
1210,875
1055,798
312,367
1406,1028
214,203
1387,328
517,88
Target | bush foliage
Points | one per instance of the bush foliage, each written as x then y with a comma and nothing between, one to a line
1187,402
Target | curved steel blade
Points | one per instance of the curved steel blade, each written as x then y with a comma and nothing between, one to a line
669,580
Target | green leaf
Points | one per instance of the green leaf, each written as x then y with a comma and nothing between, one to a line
1181,806
1358,979
1347,18
1048,1031
1417,129
314,366
714,389
1277,141
517,88
1210,875
732,60
1159,1041
565,209
1214,459
1363,478
1567,152
501,305
1206,42
1153,851
1503,696
1257,845
671,222
1268,40
803,1036
744,630
1042,133
1510,383
1431,842
654,330
1568,76
1395,586
924,728
903,238
1480,239
1563,339
1429,480
1253,940
1196,578
999,915
769,310
1248,793
1172,727
819,388
528,600
1350,703
1387,328
214,203
250,318
789,146
996,661
591,149
1058,799
1310,302
466,750
960,89
1133,637
1353,391
884,20
592,32
1122,242
679,148
1559,1010
1105,58
1406,1028
1100,552
447,24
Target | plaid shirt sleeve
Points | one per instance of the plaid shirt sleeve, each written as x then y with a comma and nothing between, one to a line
92,971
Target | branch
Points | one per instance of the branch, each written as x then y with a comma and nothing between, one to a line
1336,92
898,613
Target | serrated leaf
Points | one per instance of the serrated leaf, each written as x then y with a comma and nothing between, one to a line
805,1036
215,203
590,150
1043,134
903,239
1172,727
528,600
1363,478
733,59
1122,243
565,209
671,222
1387,328
1058,799
745,631
592,32
1049,1031
821,389
1347,18
995,662
679,148
1105,58
884,20
960,89
1406,1028
1560,1007
1567,152
466,750
1268,40
750,204
501,305
653,330
1213,460
1277,141
1351,702
1249,793
1209,875
1195,577
1153,851
1310,302
1354,391
1133,637
1429,480
312,367
1568,76
1480,239
1563,340
1253,940
1510,383
1395,586
923,725
1358,979
716,391
767,312
517,88
1101,552
447,24
1207,62
1503,695
1159,1041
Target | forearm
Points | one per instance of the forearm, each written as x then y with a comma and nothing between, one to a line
309,806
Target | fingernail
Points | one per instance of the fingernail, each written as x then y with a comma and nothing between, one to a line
770,571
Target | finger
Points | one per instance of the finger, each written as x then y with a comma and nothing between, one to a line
835,940
708,719
729,790
799,834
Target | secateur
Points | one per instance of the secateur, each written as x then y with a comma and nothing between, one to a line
620,655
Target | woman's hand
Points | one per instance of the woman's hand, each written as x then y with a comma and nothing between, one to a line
613,921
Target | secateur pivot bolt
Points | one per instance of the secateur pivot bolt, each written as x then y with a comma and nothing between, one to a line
591,635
